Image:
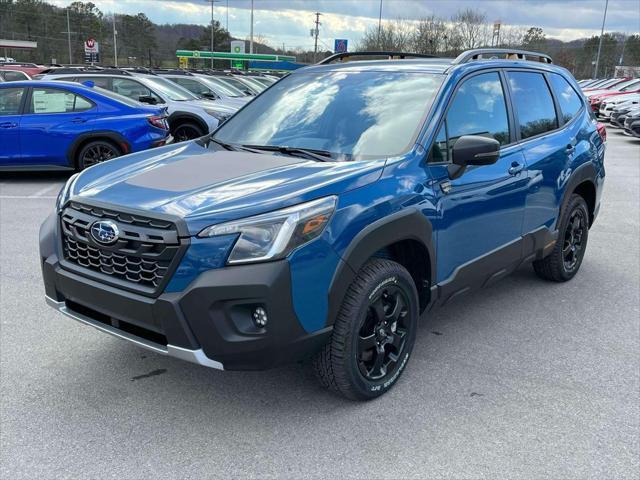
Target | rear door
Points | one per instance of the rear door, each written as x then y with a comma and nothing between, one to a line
53,119
11,104
547,147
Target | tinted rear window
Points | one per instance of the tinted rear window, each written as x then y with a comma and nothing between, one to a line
534,103
569,100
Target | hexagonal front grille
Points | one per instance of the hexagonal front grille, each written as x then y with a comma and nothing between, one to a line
142,256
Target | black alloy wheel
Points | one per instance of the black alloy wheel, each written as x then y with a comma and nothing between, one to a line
95,152
382,336
187,131
373,333
564,261
573,236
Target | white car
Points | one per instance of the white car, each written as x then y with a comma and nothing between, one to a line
610,103
207,87
189,116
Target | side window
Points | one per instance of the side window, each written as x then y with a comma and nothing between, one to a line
53,100
533,102
569,100
478,108
132,89
10,99
81,105
14,76
192,86
102,82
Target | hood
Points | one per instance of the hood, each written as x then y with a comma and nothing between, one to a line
205,186
220,105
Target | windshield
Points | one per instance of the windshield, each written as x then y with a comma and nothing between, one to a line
630,85
243,87
168,89
355,115
221,88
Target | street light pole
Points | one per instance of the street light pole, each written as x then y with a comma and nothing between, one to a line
115,42
380,26
251,36
604,18
69,37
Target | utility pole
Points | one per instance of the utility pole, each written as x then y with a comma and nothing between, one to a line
69,37
227,16
380,27
316,33
212,43
604,18
251,36
115,42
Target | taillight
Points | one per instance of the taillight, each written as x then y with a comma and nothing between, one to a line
158,122
602,131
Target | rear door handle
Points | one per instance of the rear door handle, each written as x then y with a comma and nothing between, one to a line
570,149
8,125
515,168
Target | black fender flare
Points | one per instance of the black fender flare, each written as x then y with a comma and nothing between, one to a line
177,117
115,137
407,224
584,173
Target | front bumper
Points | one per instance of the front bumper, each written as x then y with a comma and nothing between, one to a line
208,323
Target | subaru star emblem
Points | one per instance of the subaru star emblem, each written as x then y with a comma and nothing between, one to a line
105,232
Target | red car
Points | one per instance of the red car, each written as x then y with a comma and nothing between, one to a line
30,69
596,97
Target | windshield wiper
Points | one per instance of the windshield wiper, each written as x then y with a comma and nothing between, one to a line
318,155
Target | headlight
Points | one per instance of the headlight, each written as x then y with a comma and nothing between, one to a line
220,116
274,235
63,196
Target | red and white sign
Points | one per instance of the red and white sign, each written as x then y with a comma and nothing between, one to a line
91,46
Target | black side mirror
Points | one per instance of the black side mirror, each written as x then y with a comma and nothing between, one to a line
210,96
473,150
147,99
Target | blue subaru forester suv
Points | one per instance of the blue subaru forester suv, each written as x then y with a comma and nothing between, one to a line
330,212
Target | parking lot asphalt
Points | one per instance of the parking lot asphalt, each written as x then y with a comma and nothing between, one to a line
527,379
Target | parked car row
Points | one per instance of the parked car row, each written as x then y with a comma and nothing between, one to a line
617,101
75,116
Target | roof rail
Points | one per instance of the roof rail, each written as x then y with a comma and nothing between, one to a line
509,54
171,71
390,55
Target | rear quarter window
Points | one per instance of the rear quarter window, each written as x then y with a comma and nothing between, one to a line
568,98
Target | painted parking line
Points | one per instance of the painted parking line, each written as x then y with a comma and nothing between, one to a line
47,189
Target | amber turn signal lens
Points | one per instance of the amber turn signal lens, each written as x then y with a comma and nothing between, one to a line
314,224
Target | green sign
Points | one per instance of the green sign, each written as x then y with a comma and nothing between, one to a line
235,56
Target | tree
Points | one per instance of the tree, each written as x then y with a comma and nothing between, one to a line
396,35
471,28
430,35
631,51
534,39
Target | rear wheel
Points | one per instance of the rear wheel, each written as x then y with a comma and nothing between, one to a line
96,151
186,131
564,261
374,333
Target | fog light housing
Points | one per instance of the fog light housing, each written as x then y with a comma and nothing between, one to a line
260,317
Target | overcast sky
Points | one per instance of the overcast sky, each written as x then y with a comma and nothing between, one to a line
290,21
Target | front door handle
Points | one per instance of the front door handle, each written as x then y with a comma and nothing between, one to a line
570,149
79,120
8,125
515,168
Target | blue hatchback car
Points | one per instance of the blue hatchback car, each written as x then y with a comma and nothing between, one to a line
333,210
60,125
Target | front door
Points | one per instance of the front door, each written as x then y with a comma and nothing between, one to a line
11,100
480,213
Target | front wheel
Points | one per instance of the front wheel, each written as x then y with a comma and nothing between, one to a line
374,332
186,131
